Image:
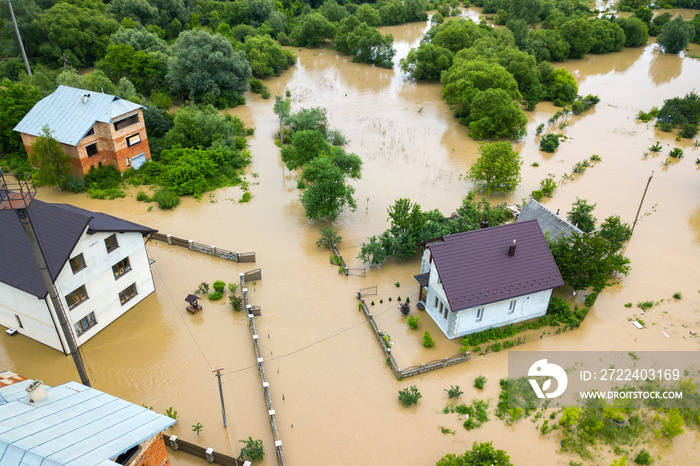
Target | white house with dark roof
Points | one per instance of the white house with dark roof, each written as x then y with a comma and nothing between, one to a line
98,264
551,224
487,278
72,424
95,129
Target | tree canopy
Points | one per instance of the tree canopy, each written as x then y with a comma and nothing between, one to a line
47,157
497,169
481,454
675,35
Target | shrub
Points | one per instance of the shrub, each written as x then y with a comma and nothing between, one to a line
643,457
677,296
405,308
166,199
547,186
549,142
235,302
75,184
219,286
171,413
409,396
656,147
141,196
204,287
412,322
232,287
628,304
335,260
253,450
245,197
454,392
215,296
256,85
644,305
595,158
329,237
428,341
676,153
479,382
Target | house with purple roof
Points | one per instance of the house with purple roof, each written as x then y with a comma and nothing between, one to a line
487,278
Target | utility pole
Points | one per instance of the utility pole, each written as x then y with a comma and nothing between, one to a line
221,394
19,38
641,202
17,197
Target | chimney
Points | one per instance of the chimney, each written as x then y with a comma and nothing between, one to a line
511,249
85,98
36,391
557,212
484,224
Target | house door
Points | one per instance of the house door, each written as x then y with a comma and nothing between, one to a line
137,161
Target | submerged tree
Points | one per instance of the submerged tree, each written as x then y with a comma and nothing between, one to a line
498,168
481,454
581,215
46,155
675,35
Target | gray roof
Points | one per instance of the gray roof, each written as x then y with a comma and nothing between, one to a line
68,117
475,268
58,228
548,220
74,424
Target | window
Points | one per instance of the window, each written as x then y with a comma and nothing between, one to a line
91,132
19,322
91,149
127,294
121,267
77,263
111,242
76,297
85,323
133,140
126,122
511,307
479,314
436,302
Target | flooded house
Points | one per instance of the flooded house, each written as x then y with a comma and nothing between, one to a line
551,224
75,424
95,129
487,278
97,262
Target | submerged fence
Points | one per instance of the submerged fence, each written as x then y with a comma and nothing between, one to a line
261,369
409,371
206,453
204,248
356,271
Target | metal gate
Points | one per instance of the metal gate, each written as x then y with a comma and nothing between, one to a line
253,275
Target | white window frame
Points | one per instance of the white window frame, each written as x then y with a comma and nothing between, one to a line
511,307
479,314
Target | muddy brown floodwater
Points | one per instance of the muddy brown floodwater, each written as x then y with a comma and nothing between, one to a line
336,401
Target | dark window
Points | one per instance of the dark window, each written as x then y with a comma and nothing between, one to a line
19,322
127,294
76,297
91,132
111,243
77,263
133,139
121,267
121,124
91,149
85,323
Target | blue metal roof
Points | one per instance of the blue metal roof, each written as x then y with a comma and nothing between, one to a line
68,118
74,424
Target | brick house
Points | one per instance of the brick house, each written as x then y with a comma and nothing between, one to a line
75,424
95,129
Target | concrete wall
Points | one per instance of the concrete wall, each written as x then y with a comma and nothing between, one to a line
463,321
111,145
101,286
32,311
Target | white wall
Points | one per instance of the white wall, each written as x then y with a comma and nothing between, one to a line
101,286
32,311
463,322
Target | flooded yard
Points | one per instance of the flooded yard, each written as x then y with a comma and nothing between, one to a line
335,398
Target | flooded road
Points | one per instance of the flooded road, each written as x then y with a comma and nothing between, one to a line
335,399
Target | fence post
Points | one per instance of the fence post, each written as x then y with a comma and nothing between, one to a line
347,269
169,238
213,250
173,442
189,244
210,454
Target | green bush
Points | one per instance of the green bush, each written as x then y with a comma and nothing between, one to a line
409,396
219,286
105,177
256,85
643,457
412,321
235,302
143,197
454,392
215,296
479,382
245,197
253,450
549,142
75,184
428,341
166,199
676,153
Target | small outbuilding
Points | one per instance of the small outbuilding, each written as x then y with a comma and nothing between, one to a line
550,223
487,278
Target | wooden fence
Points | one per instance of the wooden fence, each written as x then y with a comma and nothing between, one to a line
409,371
206,453
357,272
204,248
261,369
